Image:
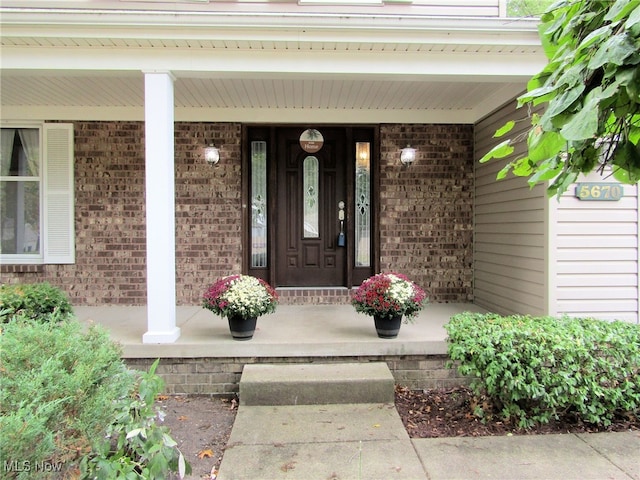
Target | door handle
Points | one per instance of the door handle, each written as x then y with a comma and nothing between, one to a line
341,236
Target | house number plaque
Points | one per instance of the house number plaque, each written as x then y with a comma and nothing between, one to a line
599,191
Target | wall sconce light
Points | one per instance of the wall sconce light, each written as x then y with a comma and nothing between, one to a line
211,154
363,155
408,155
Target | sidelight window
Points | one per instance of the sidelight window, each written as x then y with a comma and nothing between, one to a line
258,204
363,205
310,191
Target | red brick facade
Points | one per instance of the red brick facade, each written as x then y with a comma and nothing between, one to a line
425,225
426,209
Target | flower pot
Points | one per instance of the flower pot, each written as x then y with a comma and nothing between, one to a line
242,328
387,327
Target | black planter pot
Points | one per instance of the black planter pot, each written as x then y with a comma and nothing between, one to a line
387,327
242,328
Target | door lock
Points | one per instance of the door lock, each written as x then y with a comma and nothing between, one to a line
341,236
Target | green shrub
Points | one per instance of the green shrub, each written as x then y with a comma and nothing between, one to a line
537,369
68,402
33,300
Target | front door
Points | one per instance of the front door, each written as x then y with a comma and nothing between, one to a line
310,210
311,207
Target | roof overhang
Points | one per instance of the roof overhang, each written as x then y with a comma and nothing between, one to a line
262,62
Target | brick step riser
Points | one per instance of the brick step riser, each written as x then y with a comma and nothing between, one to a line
314,296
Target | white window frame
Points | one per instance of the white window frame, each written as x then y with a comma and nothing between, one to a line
56,203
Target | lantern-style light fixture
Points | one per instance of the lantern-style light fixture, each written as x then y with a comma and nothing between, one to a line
408,155
211,154
363,155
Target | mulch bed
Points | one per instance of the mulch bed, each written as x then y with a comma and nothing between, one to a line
449,413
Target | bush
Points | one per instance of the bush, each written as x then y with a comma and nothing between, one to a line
35,301
69,405
538,369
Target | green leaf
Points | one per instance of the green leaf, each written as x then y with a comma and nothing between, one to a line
634,134
633,84
625,75
546,145
596,36
634,19
501,150
613,51
562,183
627,156
620,9
573,76
134,433
154,366
623,107
537,94
545,173
168,441
506,128
564,101
540,79
584,124
523,167
504,171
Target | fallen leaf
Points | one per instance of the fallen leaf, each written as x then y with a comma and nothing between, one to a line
182,418
205,454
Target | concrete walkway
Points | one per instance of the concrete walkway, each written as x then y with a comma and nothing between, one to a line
369,442
338,422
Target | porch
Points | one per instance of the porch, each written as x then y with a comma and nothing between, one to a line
292,331
206,360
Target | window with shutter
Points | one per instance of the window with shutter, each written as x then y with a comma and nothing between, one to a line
36,195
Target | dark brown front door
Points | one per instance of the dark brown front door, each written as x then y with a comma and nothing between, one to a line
311,201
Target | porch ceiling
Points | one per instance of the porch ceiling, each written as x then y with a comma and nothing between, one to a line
248,98
80,64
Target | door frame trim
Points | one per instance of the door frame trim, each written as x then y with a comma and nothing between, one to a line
267,132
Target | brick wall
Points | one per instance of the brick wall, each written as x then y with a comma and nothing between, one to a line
425,225
208,208
110,263
109,218
426,209
221,376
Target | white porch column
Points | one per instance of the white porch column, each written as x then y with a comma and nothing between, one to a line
160,209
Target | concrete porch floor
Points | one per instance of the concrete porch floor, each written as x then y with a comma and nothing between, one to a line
292,331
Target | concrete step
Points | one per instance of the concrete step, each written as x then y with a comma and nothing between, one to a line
316,384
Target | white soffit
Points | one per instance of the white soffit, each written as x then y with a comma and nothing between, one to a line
263,67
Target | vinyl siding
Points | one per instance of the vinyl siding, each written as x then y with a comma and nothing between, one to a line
596,255
461,8
510,229
450,8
